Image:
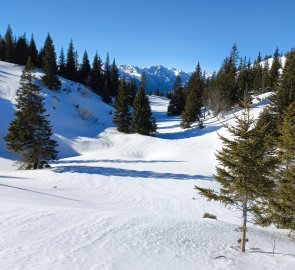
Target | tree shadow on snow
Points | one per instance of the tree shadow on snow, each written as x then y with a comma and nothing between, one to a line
114,161
129,173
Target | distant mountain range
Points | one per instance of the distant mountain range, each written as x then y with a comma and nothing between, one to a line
158,77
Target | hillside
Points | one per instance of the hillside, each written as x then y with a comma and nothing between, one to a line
122,201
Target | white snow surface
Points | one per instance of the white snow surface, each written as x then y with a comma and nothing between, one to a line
118,201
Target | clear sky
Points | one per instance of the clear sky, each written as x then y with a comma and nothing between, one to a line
168,32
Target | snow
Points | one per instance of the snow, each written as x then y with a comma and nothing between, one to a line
122,201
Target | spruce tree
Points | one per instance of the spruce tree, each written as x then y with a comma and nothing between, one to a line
40,58
258,75
177,101
96,76
142,120
283,202
132,90
49,65
33,52
71,71
286,90
244,171
114,79
106,93
62,63
274,73
265,77
122,116
85,70
9,45
2,49
193,104
21,51
29,134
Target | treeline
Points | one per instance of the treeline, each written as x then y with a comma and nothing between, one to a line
103,78
256,168
225,89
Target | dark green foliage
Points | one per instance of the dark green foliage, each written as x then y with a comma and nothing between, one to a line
157,92
21,51
29,134
142,120
193,104
33,52
132,90
286,90
208,215
96,76
244,78
62,63
258,75
85,70
122,116
114,79
49,66
265,77
106,93
274,74
71,70
177,101
40,58
244,170
9,45
2,49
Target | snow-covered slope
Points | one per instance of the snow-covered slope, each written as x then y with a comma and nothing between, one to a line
158,77
122,201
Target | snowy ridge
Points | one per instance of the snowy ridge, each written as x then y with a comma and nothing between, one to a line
158,77
122,201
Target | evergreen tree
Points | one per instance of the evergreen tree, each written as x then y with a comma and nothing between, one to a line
157,92
9,45
244,171
177,101
265,77
21,51
132,90
193,104
40,58
258,75
114,79
142,120
85,69
286,90
62,63
71,71
122,116
96,76
106,94
29,134
49,66
2,48
33,52
274,73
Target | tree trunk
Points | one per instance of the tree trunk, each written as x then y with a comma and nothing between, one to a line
244,227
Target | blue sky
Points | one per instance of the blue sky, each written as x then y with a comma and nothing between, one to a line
172,33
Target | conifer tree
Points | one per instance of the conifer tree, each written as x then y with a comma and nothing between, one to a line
243,172
33,52
122,116
29,134
193,104
40,58
2,49
62,63
106,93
286,90
114,79
71,71
85,69
21,51
142,120
265,77
9,45
96,76
283,202
177,101
274,73
49,66
132,90
258,75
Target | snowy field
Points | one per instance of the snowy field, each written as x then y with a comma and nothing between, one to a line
121,202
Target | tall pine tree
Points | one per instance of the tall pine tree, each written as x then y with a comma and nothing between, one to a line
49,65
33,52
9,45
177,101
29,134
71,71
85,70
142,120
274,73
